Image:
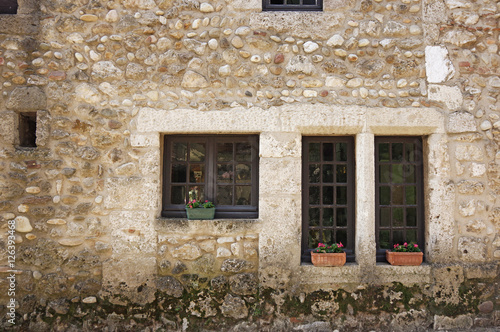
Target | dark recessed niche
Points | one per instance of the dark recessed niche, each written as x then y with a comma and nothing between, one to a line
27,130
8,6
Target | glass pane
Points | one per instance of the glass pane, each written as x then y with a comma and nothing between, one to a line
224,195
314,154
398,237
313,217
385,174
383,152
224,151
179,151
178,195
385,195
197,152
243,152
341,217
385,217
341,173
384,239
398,195
314,173
327,217
411,235
243,195
243,173
309,2
397,173
327,195
293,2
179,173
197,173
409,152
397,217
314,195
341,151
327,151
197,193
397,151
313,238
328,173
409,173
341,195
411,195
225,173
342,236
328,236
411,217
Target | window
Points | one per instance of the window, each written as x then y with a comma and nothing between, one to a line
297,5
328,193
27,130
399,192
8,7
222,169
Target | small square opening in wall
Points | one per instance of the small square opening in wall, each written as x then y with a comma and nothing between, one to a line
8,6
27,130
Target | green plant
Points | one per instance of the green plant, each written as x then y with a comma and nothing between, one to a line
194,204
334,248
406,247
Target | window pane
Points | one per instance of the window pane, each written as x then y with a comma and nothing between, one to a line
243,173
327,151
225,173
313,217
341,174
341,151
314,154
179,173
383,152
328,237
327,195
385,217
243,195
179,152
178,195
398,237
197,173
411,217
384,239
385,195
385,174
341,217
342,236
398,195
224,195
409,152
225,152
197,152
197,193
243,152
397,151
309,2
409,173
397,217
314,172
411,235
313,239
341,195
328,173
293,2
314,195
411,195
328,217
397,173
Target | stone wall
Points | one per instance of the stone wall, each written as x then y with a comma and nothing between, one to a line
107,79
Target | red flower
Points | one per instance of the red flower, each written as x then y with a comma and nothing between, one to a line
321,245
415,245
340,245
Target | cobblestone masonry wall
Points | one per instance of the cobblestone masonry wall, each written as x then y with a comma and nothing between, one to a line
108,78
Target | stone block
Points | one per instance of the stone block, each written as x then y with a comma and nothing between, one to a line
458,322
472,249
26,99
469,152
461,122
8,125
279,175
438,66
144,140
234,307
451,96
187,251
279,145
132,232
131,193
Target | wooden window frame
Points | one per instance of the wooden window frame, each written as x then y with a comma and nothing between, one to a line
267,6
210,182
419,183
350,205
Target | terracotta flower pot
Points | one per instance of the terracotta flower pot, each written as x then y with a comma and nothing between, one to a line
200,213
404,258
328,259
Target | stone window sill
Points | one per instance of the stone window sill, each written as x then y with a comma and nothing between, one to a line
208,227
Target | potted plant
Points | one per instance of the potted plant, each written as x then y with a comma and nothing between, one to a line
200,210
332,255
405,254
